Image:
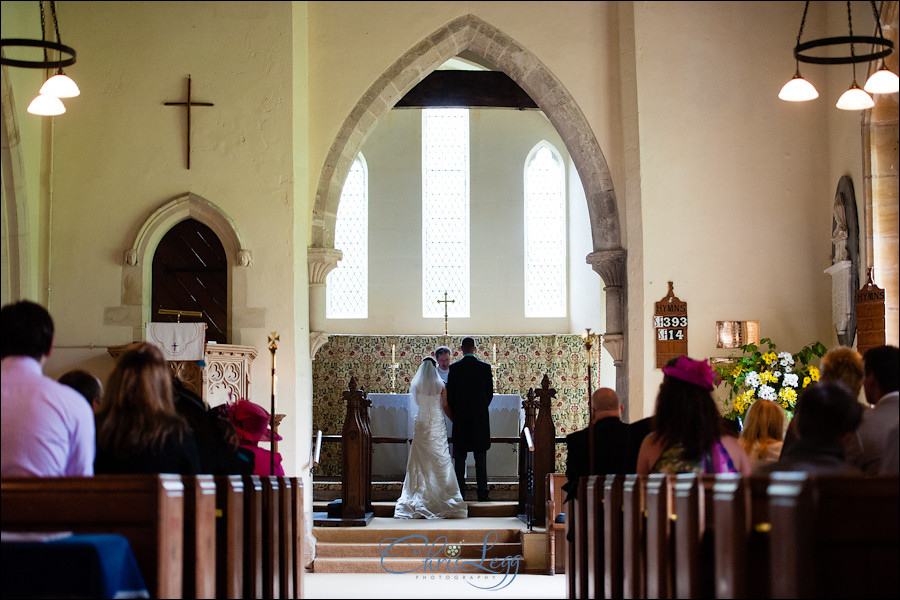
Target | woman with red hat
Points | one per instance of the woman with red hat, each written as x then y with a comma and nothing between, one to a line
251,423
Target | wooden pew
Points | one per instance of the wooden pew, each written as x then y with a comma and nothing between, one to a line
834,536
299,528
287,541
199,536
740,509
593,508
230,536
659,525
579,545
556,532
253,536
271,537
146,509
693,529
633,536
613,511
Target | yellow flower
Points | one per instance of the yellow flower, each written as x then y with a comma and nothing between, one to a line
814,373
769,357
806,381
768,377
788,397
736,371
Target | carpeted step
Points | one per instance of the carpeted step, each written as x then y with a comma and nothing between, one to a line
455,531
494,569
476,509
419,549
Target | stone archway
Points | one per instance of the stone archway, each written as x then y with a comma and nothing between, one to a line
477,36
137,266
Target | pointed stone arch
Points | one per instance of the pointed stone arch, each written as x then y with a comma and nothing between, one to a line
138,263
479,37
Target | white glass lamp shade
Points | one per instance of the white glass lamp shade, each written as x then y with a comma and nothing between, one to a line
855,99
61,86
46,106
798,90
883,82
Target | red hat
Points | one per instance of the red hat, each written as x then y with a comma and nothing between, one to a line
697,372
251,422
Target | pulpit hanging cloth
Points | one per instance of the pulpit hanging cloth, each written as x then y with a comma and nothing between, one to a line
178,341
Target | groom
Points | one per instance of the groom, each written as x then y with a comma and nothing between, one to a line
470,389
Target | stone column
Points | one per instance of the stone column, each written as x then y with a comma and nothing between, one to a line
320,261
610,265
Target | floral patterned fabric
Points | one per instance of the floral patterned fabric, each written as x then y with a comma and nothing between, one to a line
521,362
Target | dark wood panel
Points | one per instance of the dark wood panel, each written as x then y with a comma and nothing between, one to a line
469,89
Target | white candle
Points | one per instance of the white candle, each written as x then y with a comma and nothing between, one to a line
393,347
318,447
495,353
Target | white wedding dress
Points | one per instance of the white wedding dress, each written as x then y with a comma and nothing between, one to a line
430,490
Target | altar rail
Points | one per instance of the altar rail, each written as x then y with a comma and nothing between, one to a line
193,537
788,535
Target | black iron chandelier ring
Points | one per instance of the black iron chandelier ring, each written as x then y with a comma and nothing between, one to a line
38,64
886,45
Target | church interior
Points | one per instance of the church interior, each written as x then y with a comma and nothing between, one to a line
243,124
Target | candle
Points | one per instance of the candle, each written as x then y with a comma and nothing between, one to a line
318,446
495,353
393,347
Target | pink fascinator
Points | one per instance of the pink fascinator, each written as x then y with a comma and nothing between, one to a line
697,372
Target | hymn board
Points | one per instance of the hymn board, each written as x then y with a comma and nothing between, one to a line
671,325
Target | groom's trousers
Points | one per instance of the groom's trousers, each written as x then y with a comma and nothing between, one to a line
459,464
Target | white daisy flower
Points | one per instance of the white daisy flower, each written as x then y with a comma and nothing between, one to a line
752,379
791,380
766,392
785,359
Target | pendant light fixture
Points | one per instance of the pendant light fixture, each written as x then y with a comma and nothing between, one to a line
48,102
882,81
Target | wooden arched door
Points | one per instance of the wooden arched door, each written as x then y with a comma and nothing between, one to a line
190,272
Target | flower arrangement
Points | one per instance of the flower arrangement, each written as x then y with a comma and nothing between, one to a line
770,375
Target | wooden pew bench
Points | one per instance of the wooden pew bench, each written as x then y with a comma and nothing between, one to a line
556,532
146,509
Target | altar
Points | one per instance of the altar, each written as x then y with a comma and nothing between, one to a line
394,415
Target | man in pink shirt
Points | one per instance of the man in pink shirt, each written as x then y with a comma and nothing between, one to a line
46,428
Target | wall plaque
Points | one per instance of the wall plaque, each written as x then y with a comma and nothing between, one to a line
670,322
869,316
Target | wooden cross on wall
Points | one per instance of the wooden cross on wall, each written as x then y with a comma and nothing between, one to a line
188,104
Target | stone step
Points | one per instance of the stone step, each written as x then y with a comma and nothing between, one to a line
374,535
476,509
491,569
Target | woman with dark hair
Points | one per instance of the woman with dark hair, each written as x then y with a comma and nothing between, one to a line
138,429
688,435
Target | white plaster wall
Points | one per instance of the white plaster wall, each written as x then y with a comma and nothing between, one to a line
119,154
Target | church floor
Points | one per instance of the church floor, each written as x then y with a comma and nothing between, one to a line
388,585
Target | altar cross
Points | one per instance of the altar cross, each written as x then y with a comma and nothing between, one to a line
445,302
188,104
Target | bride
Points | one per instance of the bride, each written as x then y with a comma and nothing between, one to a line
430,490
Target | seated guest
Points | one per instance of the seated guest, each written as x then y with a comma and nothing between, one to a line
839,364
868,444
763,432
688,433
85,384
47,429
251,422
826,415
138,429
217,441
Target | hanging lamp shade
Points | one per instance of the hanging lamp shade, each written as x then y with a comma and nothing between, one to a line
61,86
46,106
798,90
855,99
883,81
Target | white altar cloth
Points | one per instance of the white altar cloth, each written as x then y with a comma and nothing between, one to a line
394,415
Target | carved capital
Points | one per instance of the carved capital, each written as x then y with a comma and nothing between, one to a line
317,339
131,257
321,261
244,258
610,266
615,345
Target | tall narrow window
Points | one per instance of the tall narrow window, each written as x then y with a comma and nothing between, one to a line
545,233
347,286
445,211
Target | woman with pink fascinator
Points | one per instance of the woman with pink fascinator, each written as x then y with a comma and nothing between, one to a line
688,435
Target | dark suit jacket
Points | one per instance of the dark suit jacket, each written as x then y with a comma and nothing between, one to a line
616,446
470,389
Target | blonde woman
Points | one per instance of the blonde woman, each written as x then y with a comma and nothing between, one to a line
138,429
763,433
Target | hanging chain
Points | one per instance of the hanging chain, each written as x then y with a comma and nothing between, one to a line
55,21
850,27
43,30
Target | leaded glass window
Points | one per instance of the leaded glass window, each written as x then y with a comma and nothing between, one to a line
347,286
545,233
445,211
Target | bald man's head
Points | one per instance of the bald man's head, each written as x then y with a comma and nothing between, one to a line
605,403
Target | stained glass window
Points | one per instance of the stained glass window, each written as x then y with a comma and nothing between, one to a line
545,233
445,211
347,286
